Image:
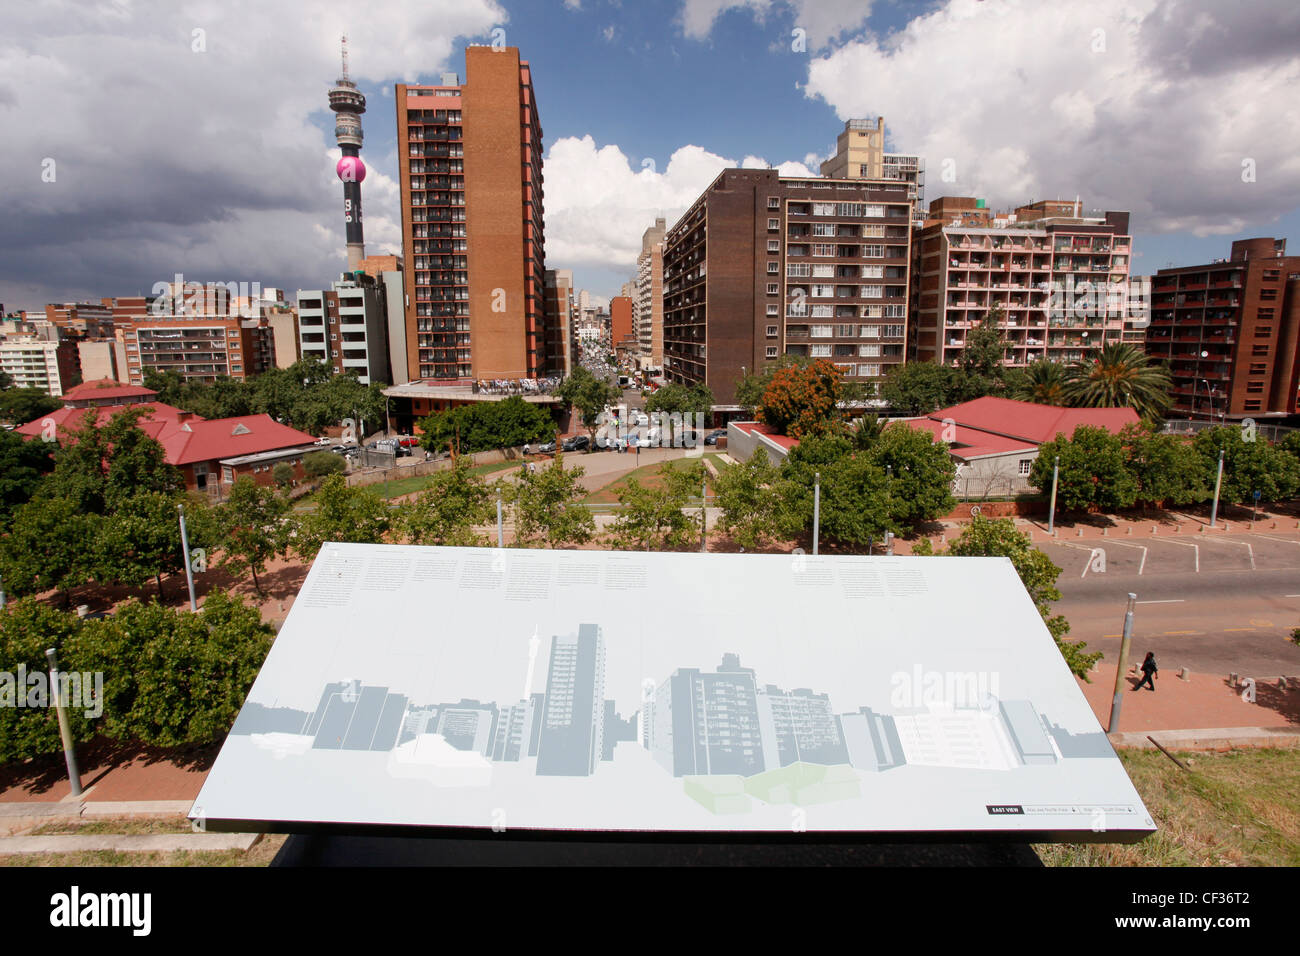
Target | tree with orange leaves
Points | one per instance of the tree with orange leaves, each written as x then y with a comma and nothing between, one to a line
803,401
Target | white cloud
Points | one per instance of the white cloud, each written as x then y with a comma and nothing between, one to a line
597,205
183,136
821,20
1027,100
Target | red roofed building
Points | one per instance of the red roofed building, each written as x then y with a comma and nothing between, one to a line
995,440
210,454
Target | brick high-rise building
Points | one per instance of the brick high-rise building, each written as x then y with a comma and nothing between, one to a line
762,265
1230,331
1034,263
860,154
620,324
648,301
471,181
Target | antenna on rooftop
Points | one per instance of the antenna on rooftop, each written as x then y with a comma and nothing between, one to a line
345,56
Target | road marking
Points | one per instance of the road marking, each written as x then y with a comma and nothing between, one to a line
1187,544
1250,549
1291,595
1239,628
1260,622
1184,632
1112,635
1269,537
1167,601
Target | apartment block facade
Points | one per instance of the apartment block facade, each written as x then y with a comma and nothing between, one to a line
470,158
48,362
860,154
346,326
1230,331
1061,279
648,297
561,313
763,265
200,342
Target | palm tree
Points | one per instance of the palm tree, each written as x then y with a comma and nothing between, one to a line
1043,383
1119,375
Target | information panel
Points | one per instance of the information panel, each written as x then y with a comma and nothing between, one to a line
505,689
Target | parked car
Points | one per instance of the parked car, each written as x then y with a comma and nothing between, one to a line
640,418
546,448
325,441
408,441
576,443
712,437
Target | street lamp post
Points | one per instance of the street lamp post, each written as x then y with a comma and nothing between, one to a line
1118,698
185,552
817,508
1218,483
1051,513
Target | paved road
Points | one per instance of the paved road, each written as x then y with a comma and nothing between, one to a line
1214,606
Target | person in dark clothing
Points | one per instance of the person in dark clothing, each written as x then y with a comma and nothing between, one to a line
1149,672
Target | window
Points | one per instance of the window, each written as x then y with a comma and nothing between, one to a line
820,331
894,311
844,331
869,370
774,245
771,351
869,332
773,202
773,309
869,351
872,291
825,229
773,288
1254,387
773,267
1252,404
797,270
773,225
1025,465
855,209
823,291
821,351
1259,368
873,252
873,272
823,209
1263,331
771,331
1267,295
823,311
894,330
1259,350
873,232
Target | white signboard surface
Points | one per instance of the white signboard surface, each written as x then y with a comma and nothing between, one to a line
509,689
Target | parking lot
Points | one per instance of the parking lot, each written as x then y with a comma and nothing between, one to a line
1154,555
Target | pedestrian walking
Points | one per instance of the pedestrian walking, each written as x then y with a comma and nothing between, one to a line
1149,672
526,447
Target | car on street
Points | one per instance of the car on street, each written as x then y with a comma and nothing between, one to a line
576,443
712,437
325,441
640,418
546,448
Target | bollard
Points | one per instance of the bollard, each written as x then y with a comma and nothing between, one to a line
1281,683
1155,529
1128,530
1184,675
1105,532
1233,679
1078,533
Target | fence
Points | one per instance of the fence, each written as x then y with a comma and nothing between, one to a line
1187,426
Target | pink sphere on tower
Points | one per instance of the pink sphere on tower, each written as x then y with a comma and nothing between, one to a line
351,169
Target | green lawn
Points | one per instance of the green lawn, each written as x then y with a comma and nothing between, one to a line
1240,808
647,476
405,486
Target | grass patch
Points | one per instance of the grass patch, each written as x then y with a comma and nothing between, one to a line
128,826
1239,808
647,476
260,854
398,487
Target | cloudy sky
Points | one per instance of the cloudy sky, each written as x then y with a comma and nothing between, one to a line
149,137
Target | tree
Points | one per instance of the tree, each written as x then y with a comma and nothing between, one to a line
1093,470
588,394
18,406
981,357
998,537
447,512
27,628
1120,375
49,544
23,463
919,388
1166,467
854,492
548,508
98,467
687,401
318,464
254,528
1042,382
173,678
802,402
344,514
139,540
486,426
922,474
652,518
1250,464
747,494
282,474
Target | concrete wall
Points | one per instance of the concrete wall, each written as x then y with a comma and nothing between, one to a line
995,476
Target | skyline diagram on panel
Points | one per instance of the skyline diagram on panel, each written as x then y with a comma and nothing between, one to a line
702,725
